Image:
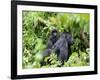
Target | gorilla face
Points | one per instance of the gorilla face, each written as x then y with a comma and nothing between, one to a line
54,32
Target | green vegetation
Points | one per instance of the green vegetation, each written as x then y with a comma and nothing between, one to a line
36,30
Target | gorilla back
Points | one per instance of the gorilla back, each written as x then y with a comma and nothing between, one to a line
62,47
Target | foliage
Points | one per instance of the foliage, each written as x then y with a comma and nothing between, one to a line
36,30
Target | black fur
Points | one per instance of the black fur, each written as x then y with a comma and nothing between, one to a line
52,39
62,46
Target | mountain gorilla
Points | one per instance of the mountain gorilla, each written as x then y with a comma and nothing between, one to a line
60,46
54,35
52,39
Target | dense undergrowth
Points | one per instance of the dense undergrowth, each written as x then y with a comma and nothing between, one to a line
36,30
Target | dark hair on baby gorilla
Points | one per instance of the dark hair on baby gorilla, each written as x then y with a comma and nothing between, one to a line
54,35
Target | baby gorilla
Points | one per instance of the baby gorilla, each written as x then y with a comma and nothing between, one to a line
62,47
54,35
52,39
